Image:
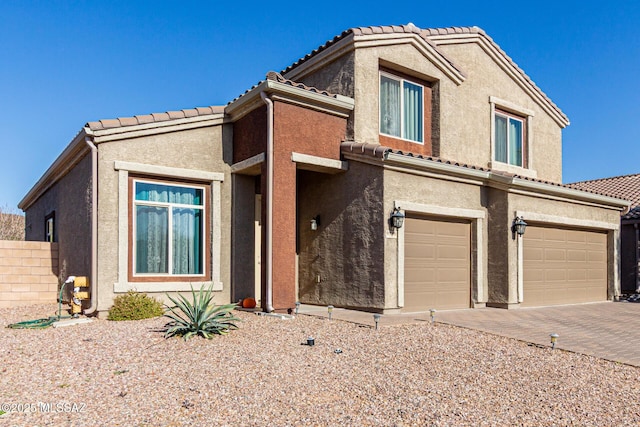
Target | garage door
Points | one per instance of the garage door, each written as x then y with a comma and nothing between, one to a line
437,267
564,266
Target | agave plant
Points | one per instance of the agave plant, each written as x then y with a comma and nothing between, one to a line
198,317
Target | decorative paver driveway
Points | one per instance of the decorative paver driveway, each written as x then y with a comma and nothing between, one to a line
608,330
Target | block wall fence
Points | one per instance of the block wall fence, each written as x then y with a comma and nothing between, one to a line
28,273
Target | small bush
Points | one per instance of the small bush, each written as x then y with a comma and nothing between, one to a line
135,306
199,317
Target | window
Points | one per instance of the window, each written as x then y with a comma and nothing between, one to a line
509,139
49,223
169,229
401,108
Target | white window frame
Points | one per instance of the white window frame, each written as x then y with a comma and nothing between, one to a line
509,117
169,206
402,113
518,112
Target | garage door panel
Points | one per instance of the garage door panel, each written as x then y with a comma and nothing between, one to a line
437,264
573,268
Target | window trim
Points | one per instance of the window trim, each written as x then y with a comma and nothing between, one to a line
512,110
205,239
523,137
214,214
50,218
401,79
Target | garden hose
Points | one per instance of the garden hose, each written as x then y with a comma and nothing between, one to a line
42,323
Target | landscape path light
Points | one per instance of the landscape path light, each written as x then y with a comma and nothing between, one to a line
376,318
297,306
432,314
330,310
554,339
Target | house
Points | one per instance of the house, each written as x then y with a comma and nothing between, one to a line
624,187
290,192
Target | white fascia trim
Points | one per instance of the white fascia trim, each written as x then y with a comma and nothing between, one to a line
339,105
424,164
154,128
567,221
322,162
149,287
168,171
248,163
506,65
427,50
320,60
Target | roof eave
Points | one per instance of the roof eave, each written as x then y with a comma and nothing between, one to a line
69,157
338,104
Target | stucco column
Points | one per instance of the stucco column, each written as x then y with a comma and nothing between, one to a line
284,230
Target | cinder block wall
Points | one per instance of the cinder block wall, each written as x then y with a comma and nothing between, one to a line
28,273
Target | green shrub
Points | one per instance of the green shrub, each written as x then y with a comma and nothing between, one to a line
199,316
134,306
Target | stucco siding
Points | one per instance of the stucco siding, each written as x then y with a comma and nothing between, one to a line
467,138
205,149
70,200
341,263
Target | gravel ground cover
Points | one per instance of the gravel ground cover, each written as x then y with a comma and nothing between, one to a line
126,374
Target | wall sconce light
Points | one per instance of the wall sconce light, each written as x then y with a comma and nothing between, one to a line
330,310
315,222
518,227
397,218
554,338
376,318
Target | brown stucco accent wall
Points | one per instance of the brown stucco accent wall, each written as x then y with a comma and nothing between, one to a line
628,266
347,251
250,134
305,131
70,199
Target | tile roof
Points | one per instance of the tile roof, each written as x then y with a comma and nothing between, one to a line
154,118
410,28
379,151
429,35
277,77
624,187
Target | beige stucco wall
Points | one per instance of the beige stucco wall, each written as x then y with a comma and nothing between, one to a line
464,111
205,149
436,198
540,210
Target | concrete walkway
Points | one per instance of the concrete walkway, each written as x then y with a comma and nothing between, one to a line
608,330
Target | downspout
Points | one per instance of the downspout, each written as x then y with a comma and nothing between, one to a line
269,240
637,257
94,227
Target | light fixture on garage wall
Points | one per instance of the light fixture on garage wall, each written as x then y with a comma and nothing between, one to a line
397,218
518,226
315,222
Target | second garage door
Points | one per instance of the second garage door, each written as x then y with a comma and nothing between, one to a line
437,264
564,266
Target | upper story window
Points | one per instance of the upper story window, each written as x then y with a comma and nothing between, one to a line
509,139
401,108
169,229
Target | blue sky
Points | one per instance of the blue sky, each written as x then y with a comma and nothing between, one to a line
64,63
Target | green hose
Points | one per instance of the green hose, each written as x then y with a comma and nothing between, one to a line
42,323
